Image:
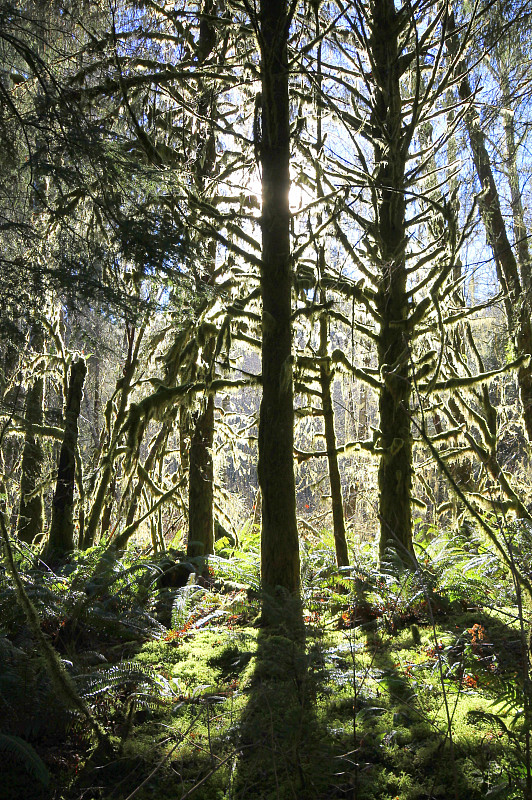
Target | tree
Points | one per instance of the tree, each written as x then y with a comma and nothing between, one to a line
398,231
510,273
31,511
279,539
61,537
200,457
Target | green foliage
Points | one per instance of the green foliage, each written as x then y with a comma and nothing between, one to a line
273,714
13,747
93,594
183,605
464,568
142,685
242,567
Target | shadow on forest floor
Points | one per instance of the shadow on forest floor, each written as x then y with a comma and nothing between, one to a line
290,712
286,752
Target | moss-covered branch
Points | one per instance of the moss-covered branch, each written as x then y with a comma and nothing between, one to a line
61,680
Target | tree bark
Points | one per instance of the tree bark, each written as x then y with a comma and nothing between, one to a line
393,347
516,307
201,479
518,213
201,466
326,379
326,371
31,511
279,540
61,539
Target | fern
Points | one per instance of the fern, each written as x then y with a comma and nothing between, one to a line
182,607
59,677
22,752
244,569
509,699
125,675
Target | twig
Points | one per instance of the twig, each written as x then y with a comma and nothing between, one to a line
165,758
207,776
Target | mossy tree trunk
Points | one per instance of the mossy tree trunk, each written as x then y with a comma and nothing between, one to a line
9,450
61,538
515,300
326,380
279,541
326,369
200,458
117,405
31,511
201,481
516,197
390,142
517,311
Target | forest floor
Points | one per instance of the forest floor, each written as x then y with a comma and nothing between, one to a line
390,692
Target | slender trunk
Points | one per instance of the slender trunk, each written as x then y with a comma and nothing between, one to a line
363,415
201,482
96,402
201,468
326,379
517,312
393,347
279,541
31,511
61,539
184,441
8,448
81,501
326,372
114,433
518,214
108,505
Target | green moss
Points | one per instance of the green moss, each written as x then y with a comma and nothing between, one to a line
291,718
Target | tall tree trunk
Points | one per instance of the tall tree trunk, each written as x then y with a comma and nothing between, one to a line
201,467
110,497
326,371
502,75
279,541
516,307
362,431
393,347
518,213
200,486
61,539
326,380
31,511
8,450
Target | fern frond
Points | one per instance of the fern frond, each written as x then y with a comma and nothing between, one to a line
22,752
182,606
244,569
126,674
509,698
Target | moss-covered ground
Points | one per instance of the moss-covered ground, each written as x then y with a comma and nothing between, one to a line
346,713
360,702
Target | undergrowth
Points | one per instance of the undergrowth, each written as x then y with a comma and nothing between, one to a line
404,684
